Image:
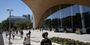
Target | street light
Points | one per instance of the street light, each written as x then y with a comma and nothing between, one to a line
9,10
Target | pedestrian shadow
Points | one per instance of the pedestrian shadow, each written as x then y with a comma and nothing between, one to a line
1,40
33,37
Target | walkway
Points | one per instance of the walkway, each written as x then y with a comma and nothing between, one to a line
36,37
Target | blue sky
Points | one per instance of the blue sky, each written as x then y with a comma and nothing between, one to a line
18,6
21,8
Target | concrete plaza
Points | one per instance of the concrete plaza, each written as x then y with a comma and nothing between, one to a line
36,37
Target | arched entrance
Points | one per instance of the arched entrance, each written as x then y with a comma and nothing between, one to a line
40,7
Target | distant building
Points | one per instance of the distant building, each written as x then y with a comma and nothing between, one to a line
18,18
27,17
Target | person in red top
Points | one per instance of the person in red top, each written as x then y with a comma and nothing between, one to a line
45,41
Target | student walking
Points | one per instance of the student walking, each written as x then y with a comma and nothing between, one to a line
16,32
7,33
26,40
45,41
29,33
21,32
13,34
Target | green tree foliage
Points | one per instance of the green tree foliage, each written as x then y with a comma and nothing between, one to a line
66,41
16,25
0,25
23,24
5,25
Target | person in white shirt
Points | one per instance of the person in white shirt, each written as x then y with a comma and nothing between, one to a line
26,40
13,34
7,33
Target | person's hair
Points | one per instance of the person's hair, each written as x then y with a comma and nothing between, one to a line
26,33
45,33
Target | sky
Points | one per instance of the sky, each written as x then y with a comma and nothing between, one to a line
21,8
18,6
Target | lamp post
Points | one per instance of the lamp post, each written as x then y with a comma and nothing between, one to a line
9,10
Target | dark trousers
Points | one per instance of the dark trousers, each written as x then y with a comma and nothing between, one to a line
27,44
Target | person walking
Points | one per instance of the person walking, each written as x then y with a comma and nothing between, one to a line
16,32
13,34
29,33
26,40
7,33
45,41
21,32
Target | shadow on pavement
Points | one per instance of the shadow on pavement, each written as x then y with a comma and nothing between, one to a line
1,40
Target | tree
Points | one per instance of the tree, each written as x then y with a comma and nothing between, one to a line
0,25
23,24
5,25
29,24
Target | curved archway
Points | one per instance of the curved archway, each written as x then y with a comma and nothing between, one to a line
39,7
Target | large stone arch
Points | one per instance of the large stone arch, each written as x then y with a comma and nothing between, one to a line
40,8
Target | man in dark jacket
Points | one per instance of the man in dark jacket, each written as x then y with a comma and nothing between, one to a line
29,32
21,34
45,41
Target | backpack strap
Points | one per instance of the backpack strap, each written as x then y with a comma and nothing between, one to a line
24,38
